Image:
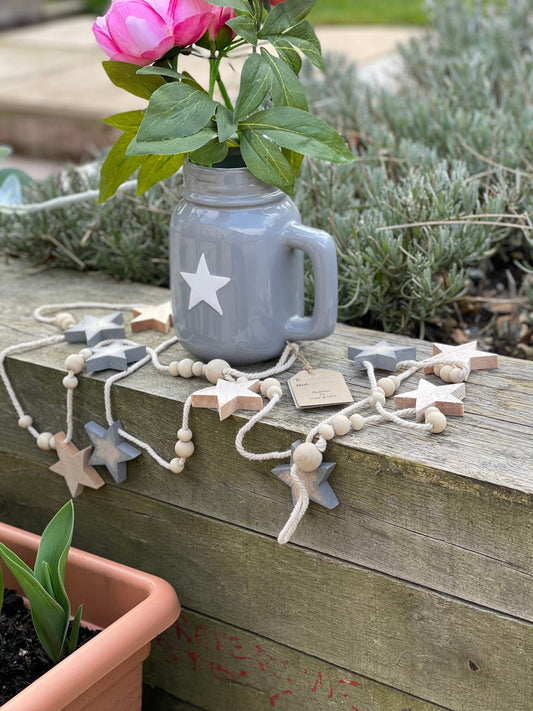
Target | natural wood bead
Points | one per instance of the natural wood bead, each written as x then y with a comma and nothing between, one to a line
242,379
326,431
185,367
378,396
184,434
85,353
25,421
307,457
431,409
173,368
52,443
457,375
357,422
267,383
184,449
197,368
274,390
213,371
444,373
438,420
387,385
64,320
396,380
341,425
75,362
176,466
43,440
70,382
436,369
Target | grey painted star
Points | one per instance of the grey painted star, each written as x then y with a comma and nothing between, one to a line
93,329
110,449
117,356
382,356
315,482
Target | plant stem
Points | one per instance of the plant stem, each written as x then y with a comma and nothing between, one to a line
224,92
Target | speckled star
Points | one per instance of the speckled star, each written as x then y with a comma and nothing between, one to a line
316,482
382,356
152,318
466,353
110,449
229,397
115,356
446,397
74,466
93,329
204,286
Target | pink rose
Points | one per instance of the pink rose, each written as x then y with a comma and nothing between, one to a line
142,31
220,16
276,2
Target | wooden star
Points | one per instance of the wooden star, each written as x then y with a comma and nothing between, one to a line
382,356
152,318
229,397
115,356
315,482
446,397
466,354
93,329
74,466
110,449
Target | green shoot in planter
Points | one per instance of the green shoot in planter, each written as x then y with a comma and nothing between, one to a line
44,586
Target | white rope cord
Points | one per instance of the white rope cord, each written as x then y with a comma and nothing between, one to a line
20,348
248,426
300,507
283,364
70,412
38,314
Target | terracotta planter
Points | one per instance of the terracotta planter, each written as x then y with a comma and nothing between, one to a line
130,606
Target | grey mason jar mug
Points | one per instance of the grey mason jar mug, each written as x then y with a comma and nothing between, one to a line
236,268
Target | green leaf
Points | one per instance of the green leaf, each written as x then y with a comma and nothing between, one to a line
244,26
304,38
5,151
241,5
226,123
299,131
117,168
155,168
256,81
171,146
47,615
74,632
294,159
286,52
22,177
125,76
212,152
266,161
298,9
286,88
129,121
161,71
175,110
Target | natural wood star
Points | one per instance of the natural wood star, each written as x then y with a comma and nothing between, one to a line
229,397
315,482
446,397
466,354
74,466
382,355
152,318
111,449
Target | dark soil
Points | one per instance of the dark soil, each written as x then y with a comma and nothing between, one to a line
22,659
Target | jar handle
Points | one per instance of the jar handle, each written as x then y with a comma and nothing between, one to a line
320,247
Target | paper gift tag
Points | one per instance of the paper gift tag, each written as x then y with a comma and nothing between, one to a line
319,388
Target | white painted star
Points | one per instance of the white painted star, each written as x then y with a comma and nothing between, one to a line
466,354
446,397
204,286
229,397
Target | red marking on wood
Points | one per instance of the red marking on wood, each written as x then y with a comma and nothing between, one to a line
172,658
180,631
354,683
243,673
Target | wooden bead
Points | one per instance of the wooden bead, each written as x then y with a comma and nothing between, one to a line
274,390
357,422
341,425
176,466
75,362
457,375
198,369
431,409
70,382
184,449
396,380
173,368
43,440
242,379
387,385
326,431
52,443
85,353
378,396
64,320
25,421
307,457
268,383
185,367
214,370
184,435
444,373
436,369
438,420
